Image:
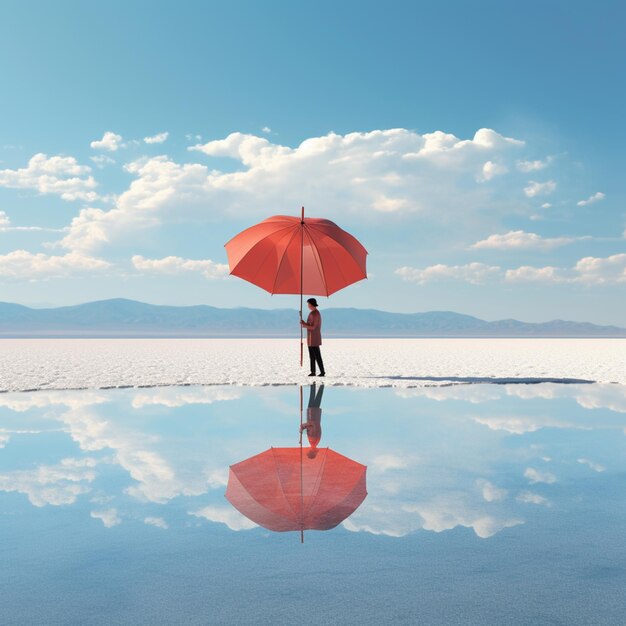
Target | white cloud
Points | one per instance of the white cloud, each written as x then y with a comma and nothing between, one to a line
101,499
110,141
438,516
546,205
431,516
535,188
596,197
474,394
22,402
225,515
266,129
177,265
174,397
159,522
520,424
101,160
446,143
600,396
158,472
355,525
537,476
52,484
385,462
531,166
528,497
21,431
108,517
162,186
491,169
474,273
92,228
588,270
217,478
596,396
155,479
58,175
596,467
386,204
158,138
598,270
21,264
5,226
382,171
526,273
249,149
338,149
520,240
490,492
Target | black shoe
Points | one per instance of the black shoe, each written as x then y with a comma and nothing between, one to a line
322,374
312,374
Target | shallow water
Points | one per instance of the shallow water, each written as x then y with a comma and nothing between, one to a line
486,505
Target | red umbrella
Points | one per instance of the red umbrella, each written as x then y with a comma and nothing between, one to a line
301,489
291,255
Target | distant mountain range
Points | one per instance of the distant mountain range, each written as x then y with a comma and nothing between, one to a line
127,318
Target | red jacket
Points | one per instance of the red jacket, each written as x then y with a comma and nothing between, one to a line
314,328
313,425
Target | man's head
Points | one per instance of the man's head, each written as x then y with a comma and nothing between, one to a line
312,302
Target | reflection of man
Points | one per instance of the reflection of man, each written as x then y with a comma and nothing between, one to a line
313,424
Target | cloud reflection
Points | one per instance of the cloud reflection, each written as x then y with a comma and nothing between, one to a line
467,456
225,515
596,396
538,476
159,522
52,484
108,517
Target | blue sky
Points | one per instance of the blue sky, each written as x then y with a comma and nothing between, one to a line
476,149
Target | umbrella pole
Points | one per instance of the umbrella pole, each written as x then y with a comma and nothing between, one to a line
301,275
301,477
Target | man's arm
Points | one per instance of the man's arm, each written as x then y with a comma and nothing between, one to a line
302,322
314,324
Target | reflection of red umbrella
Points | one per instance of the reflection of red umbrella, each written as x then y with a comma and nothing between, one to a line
285,489
291,255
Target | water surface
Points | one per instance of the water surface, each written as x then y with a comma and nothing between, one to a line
485,505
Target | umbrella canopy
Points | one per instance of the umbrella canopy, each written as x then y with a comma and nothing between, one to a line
293,255
285,489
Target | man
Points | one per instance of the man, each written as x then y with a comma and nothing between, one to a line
313,327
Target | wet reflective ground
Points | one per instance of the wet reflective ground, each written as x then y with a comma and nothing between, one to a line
479,504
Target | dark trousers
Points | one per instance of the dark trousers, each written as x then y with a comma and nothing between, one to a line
315,355
315,396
